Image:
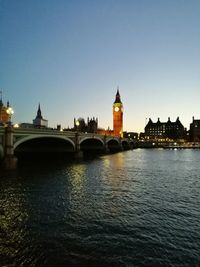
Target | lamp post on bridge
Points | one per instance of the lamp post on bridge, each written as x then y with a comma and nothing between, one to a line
10,112
78,153
10,161
77,125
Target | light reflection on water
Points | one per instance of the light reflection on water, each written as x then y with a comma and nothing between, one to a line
136,208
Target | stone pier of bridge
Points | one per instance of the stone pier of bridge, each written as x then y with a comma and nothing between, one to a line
9,159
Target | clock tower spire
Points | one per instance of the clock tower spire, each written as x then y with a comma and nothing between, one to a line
118,116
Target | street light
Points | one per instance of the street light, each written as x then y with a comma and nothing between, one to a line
10,112
77,125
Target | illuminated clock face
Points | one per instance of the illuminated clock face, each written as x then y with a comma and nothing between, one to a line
116,109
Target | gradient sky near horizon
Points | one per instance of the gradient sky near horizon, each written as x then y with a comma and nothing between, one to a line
71,55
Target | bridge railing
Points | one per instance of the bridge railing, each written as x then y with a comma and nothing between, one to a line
50,131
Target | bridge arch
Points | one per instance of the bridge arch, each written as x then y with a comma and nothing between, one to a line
37,145
113,144
113,139
27,138
92,144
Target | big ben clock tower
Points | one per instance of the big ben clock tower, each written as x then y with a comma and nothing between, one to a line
118,116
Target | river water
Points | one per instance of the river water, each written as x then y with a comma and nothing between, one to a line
134,208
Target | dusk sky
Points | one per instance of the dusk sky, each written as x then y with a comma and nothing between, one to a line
71,55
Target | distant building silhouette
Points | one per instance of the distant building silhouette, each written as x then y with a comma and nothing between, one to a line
39,122
164,130
194,131
90,127
118,116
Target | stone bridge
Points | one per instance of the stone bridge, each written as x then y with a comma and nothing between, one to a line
17,141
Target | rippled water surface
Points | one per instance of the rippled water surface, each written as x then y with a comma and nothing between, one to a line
135,208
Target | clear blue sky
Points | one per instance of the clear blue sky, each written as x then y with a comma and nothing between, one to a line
70,55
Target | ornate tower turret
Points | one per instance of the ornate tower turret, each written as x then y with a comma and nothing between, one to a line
4,116
118,116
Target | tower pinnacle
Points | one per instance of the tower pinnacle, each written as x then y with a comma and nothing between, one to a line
39,113
117,98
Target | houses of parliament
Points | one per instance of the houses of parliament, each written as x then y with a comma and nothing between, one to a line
157,131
